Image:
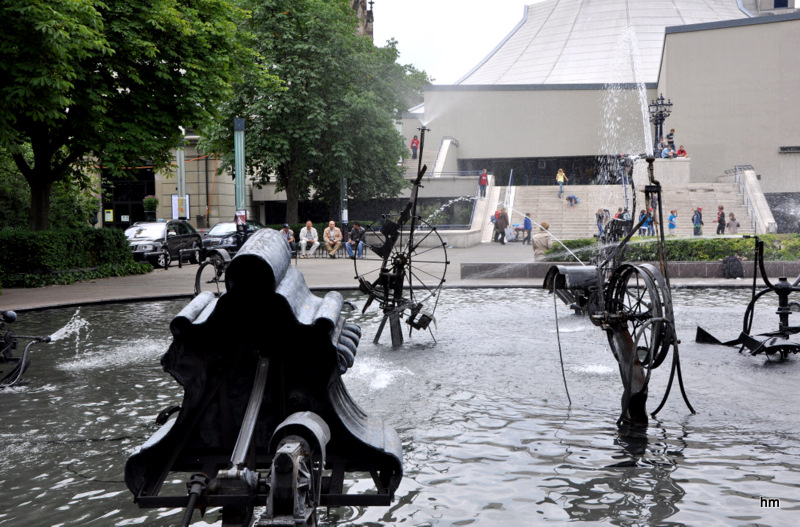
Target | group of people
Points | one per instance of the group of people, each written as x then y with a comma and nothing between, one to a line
729,223
667,147
541,241
332,237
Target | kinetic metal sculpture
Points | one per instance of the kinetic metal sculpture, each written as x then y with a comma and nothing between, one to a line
408,268
633,305
11,366
773,342
265,412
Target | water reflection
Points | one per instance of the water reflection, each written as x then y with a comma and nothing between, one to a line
487,433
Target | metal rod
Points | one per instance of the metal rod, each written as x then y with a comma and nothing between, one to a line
251,414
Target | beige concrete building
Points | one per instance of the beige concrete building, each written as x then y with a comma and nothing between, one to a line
572,82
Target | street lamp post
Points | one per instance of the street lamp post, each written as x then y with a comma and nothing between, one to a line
659,111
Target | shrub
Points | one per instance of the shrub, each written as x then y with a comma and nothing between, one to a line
35,259
776,247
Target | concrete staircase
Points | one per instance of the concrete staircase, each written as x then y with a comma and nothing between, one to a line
579,221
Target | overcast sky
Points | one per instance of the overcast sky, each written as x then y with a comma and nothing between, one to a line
445,38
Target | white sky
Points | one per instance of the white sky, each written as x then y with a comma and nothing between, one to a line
445,38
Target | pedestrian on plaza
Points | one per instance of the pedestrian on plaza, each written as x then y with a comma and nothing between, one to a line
573,200
651,223
561,178
414,146
720,220
332,236
288,234
528,226
681,152
483,182
672,222
697,221
599,216
493,221
502,224
541,241
643,226
308,235
356,241
733,224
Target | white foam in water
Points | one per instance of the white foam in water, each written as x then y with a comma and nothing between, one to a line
73,327
127,352
376,371
593,369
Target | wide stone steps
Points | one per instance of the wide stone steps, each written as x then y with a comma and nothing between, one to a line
579,221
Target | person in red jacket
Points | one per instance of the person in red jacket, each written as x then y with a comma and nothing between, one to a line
483,182
414,146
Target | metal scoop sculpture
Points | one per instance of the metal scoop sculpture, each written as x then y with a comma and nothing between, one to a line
266,419
633,305
408,268
772,343
12,367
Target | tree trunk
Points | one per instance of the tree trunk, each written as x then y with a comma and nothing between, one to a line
40,203
292,197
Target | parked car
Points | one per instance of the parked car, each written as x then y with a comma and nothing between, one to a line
160,242
223,236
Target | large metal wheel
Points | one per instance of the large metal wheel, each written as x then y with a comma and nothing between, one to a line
412,271
638,294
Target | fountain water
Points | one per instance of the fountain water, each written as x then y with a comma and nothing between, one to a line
488,438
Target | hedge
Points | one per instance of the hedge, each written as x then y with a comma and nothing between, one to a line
35,259
776,247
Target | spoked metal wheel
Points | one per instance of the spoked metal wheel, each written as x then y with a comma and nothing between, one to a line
398,268
639,295
210,277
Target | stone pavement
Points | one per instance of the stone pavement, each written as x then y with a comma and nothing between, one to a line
319,273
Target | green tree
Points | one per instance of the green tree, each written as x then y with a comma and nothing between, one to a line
70,206
336,115
110,83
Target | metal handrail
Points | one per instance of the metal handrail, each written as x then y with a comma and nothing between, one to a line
737,178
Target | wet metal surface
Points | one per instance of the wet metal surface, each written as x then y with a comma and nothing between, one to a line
487,435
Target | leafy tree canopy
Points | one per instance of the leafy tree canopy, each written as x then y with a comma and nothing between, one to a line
337,113
89,82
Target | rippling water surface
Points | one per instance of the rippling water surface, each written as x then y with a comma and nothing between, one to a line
489,437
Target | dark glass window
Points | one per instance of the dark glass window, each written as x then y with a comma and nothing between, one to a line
781,3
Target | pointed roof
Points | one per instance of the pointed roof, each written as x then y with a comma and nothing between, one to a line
592,41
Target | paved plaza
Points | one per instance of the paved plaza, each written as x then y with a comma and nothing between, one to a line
319,273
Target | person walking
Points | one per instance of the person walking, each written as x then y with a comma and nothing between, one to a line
600,215
414,146
528,226
720,220
541,241
672,222
651,223
733,224
643,226
502,224
561,178
697,221
483,182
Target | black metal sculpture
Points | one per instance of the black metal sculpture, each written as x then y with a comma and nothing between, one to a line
13,367
265,412
774,342
633,305
409,266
